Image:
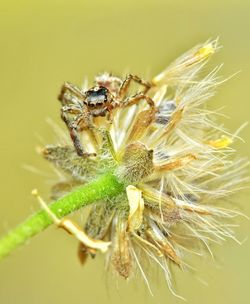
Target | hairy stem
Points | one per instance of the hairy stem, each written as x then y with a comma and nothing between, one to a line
106,186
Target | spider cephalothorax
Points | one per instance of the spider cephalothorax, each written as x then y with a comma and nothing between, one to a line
109,93
99,100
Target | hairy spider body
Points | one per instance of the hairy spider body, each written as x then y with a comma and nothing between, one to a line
99,101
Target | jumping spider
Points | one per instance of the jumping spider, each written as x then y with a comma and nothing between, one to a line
100,100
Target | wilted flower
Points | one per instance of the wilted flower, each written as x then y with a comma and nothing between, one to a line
176,162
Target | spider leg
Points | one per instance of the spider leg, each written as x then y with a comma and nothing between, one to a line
68,99
137,98
125,85
75,91
110,117
73,127
71,109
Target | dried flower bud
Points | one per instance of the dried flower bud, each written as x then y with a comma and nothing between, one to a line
166,147
137,163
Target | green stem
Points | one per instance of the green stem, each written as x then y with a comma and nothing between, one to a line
106,186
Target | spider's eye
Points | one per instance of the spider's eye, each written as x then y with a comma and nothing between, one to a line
103,91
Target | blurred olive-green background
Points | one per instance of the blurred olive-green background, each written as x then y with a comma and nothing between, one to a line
44,43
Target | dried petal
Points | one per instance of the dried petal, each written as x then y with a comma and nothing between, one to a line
72,228
99,220
136,207
121,256
152,195
176,163
143,121
156,236
185,63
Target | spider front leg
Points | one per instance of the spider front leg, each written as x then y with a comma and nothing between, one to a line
125,85
137,98
73,127
75,91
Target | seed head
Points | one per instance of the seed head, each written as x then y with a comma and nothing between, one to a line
176,161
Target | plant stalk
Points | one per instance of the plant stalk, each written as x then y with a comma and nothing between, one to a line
106,186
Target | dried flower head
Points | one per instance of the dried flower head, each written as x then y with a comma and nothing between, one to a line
175,160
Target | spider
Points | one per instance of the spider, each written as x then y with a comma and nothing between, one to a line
108,94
